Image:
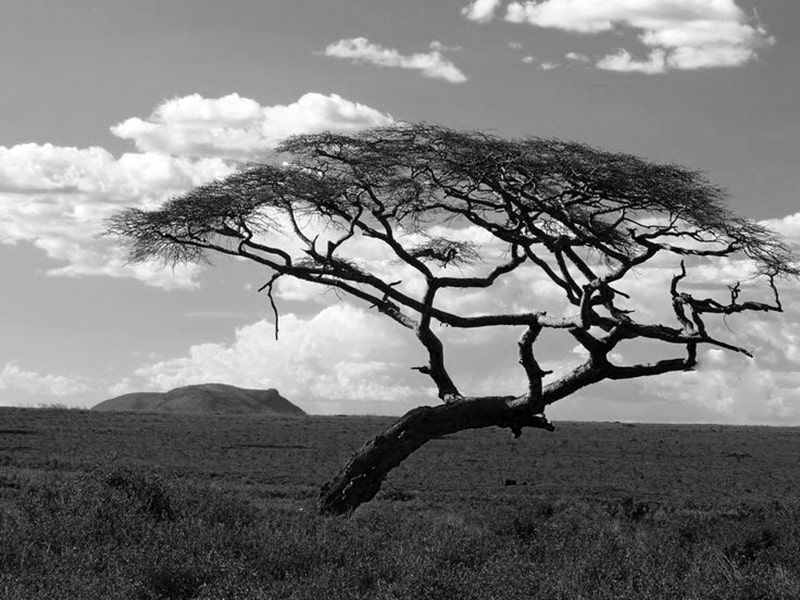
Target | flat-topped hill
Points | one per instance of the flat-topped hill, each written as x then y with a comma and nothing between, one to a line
204,398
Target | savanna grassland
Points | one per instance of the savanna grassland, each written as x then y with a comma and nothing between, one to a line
145,506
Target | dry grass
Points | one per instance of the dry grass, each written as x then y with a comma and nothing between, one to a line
164,506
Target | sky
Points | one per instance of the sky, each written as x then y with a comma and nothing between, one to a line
116,103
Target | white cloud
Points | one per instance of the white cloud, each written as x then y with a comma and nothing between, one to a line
41,169
788,226
588,16
431,64
481,10
735,390
548,66
241,128
440,47
684,34
343,358
57,197
623,62
577,57
13,378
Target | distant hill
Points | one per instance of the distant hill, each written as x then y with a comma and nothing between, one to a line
205,398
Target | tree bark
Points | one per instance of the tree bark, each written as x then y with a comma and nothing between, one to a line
361,478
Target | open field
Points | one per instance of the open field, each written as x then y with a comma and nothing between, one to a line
112,505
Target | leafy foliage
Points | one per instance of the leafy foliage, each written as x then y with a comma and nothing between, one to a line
532,190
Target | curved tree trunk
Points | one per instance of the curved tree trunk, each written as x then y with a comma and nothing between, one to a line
361,478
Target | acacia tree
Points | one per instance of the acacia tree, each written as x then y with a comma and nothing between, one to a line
584,218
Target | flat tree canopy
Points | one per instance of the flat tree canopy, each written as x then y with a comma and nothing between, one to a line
582,217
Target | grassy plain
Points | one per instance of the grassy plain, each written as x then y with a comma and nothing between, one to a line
112,505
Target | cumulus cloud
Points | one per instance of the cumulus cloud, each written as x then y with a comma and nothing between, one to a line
241,128
788,227
678,34
342,359
623,61
577,57
733,389
13,378
57,198
431,64
440,47
481,10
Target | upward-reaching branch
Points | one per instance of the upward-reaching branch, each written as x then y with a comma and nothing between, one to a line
534,373
436,368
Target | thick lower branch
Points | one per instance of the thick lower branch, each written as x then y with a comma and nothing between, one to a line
361,478
363,475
